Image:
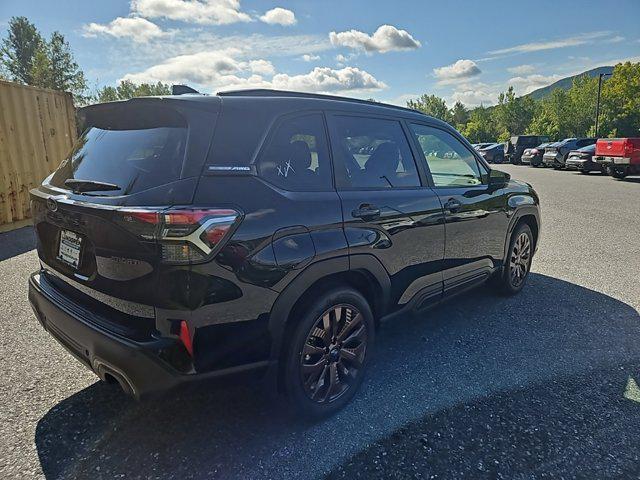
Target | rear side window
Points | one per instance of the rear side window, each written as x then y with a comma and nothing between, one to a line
297,156
133,149
371,153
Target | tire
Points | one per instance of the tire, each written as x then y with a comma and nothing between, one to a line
314,359
585,172
618,174
505,281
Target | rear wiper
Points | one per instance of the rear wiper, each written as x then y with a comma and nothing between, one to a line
79,186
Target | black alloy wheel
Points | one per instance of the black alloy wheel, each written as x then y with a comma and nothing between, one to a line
516,267
520,259
328,352
333,353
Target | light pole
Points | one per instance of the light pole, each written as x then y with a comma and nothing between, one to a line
598,101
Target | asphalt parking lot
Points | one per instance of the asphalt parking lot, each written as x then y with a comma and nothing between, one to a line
539,385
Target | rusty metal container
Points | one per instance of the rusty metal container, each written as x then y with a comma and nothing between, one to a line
37,131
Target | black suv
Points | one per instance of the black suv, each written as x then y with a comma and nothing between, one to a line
515,146
555,155
267,233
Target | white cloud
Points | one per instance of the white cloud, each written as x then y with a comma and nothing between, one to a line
136,28
521,69
222,70
262,67
529,83
325,79
386,38
572,41
616,39
460,70
205,68
310,58
207,12
279,16
474,95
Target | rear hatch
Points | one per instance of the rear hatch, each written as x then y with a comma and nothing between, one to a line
100,219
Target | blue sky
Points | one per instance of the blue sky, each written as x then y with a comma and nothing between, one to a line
391,51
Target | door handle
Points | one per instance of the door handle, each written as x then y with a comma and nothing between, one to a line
366,212
452,205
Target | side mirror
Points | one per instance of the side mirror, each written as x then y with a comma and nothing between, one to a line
498,179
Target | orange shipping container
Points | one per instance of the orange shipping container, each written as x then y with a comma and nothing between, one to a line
37,131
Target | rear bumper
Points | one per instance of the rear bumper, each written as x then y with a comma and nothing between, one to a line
138,367
623,161
551,160
583,164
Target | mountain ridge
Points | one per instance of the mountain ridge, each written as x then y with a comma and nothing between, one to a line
565,83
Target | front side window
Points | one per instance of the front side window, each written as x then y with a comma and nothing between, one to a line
372,153
297,156
450,162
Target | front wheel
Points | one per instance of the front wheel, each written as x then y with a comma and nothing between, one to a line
329,351
518,262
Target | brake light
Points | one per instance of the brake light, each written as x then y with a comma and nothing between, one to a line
628,147
185,235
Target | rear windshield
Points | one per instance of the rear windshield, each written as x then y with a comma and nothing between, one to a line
135,149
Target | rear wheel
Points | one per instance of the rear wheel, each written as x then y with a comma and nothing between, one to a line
619,174
329,352
518,262
585,172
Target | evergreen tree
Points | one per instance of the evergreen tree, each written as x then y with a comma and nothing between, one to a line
18,50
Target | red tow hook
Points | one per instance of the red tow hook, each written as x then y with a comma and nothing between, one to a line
185,337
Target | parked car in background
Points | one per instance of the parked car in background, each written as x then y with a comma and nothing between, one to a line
582,160
493,153
555,155
190,238
515,146
619,156
533,156
480,146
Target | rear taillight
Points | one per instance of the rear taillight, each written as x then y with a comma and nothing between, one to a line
185,235
628,148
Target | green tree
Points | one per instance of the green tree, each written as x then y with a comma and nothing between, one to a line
552,116
19,49
41,69
621,101
431,105
126,89
513,114
582,106
32,60
459,115
65,72
481,126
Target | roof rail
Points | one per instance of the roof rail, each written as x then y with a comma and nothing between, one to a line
266,92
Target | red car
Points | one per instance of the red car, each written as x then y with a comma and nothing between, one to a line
619,156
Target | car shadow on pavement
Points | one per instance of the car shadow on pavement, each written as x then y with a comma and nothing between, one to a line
16,242
477,347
